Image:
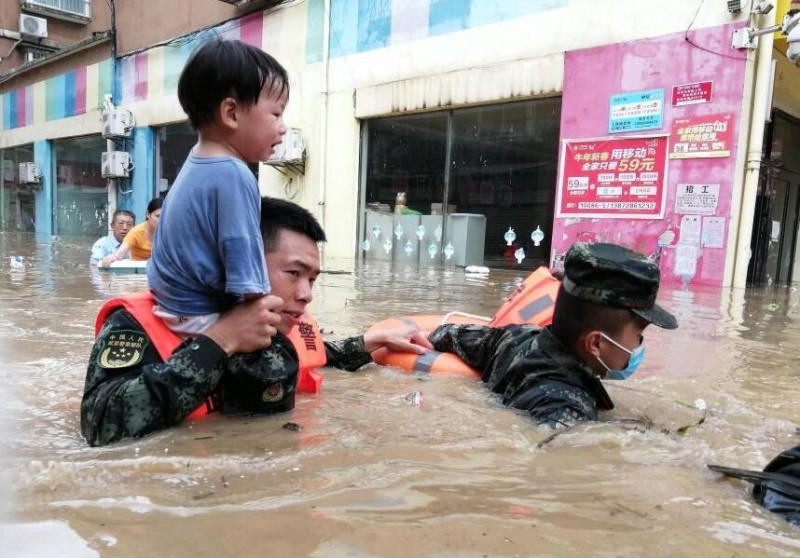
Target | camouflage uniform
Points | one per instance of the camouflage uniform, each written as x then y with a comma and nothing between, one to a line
130,391
535,371
530,368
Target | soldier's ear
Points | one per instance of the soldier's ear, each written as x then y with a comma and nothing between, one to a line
590,343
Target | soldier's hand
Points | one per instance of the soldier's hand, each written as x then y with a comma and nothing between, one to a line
402,338
248,326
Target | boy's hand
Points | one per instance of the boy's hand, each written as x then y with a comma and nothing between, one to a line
248,326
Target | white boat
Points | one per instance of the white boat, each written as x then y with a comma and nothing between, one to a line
126,266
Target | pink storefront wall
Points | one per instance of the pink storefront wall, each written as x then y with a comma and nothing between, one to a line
593,75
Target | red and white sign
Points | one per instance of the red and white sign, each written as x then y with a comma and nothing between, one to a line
620,177
702,137
691,93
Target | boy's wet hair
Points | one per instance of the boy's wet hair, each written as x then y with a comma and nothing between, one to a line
277,214
221,69
573,316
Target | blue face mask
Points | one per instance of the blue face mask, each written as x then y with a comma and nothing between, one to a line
637,356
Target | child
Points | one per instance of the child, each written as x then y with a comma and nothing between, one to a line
208,253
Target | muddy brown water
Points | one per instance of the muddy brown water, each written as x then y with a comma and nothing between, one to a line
373,475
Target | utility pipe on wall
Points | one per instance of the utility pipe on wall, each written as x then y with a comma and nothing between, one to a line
755,142
323,116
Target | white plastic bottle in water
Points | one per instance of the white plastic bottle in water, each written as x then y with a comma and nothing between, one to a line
17,262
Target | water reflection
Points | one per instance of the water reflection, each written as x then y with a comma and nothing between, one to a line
372,474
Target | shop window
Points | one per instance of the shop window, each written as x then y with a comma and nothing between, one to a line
80,203
473,174
175,141
17,200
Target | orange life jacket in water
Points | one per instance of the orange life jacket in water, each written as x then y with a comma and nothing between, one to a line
305,338
307,341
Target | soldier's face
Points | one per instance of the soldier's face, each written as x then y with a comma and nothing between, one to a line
293,268
630,337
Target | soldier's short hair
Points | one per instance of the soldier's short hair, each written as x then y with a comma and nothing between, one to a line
277,215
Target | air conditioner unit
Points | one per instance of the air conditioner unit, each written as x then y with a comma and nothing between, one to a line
32,26
29,173
292,151
32,55
117,123
116,164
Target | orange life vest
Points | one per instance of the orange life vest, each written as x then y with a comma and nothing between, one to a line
532,302
140,306
307,341
305,338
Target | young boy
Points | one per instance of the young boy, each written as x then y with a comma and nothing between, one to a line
208,253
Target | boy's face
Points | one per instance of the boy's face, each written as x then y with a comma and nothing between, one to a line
260,127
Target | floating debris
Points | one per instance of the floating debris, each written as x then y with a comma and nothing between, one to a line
415,398
476,269
293,426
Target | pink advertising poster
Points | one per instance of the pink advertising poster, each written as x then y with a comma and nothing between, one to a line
702,137
619,177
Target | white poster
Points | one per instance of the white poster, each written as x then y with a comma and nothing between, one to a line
713,232
699,199
690,230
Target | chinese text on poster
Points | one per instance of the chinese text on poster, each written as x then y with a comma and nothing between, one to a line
613,177
697,137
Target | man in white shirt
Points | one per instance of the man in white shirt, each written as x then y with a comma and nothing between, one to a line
121,222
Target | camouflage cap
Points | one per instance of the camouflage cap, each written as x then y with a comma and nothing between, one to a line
610,275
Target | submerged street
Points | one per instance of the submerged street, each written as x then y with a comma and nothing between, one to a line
371,473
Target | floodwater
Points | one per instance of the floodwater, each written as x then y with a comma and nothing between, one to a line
373,475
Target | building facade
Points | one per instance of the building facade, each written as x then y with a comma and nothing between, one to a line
450,132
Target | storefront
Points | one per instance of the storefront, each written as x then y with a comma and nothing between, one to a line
17,200
80,200
470,186
774,242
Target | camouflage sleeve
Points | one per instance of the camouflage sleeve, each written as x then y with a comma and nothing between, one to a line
554,403
475,345
130,392
347,354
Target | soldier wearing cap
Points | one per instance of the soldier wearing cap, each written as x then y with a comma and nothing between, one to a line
606,300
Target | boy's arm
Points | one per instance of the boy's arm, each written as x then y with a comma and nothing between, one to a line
240,246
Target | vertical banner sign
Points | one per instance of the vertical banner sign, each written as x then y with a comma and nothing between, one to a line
702,137
631,112
620,177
